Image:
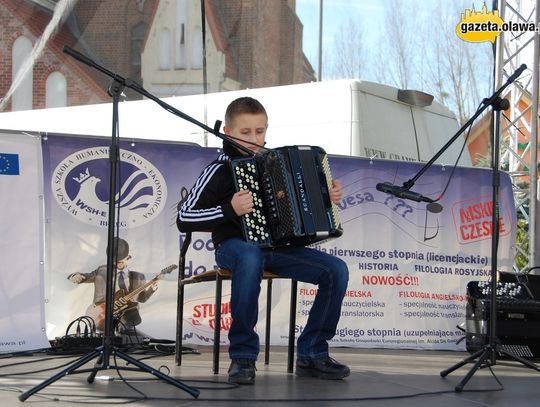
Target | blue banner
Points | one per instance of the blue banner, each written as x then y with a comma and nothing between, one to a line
409,262
9,164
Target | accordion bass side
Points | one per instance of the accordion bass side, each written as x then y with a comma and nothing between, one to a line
291,195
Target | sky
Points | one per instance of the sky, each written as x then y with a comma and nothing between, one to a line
369,13
334,13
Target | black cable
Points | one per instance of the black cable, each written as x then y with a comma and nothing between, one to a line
495,377
22,353
69,327
513,124
55,396
524,284
457,160
91,323
85,321
221,384
35,371
144,396
26,362
231,386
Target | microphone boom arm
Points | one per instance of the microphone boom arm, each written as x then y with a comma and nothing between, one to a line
139,89
492,100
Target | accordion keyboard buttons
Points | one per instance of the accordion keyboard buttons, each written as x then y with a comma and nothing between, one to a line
255,226
503,289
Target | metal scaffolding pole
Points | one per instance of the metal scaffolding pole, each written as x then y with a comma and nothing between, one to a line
520,133
534,234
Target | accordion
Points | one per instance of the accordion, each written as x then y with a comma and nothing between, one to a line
291,197
517,316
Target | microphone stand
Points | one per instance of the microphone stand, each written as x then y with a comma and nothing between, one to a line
139,89
493,100
487,356
104,352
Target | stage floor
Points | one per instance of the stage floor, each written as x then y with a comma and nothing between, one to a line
378,378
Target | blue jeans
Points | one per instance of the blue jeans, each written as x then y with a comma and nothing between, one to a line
247,263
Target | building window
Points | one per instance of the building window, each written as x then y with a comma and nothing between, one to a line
181,21
22,96
197,49
165,49
56,90
137,38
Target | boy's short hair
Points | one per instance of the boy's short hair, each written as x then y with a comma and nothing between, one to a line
242,105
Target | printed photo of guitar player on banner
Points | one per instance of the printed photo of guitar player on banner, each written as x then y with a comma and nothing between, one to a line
131,288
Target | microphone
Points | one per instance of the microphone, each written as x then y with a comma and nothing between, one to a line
401,192
217,126
232,140
516,74
503,104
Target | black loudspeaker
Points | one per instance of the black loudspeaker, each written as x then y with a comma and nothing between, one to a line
517,313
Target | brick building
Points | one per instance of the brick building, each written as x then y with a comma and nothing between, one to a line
249,43
21,24
265,38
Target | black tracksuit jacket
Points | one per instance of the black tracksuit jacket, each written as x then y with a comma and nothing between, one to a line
208,205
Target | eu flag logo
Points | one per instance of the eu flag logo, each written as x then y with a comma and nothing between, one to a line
9,164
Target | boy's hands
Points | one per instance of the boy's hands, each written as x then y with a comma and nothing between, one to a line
335,192
242,202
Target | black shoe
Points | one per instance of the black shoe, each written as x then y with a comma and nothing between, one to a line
242,371
326,368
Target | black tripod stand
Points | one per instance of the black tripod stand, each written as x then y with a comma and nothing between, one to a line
104,352
487,356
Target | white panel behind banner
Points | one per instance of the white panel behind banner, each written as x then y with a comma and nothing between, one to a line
22,319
